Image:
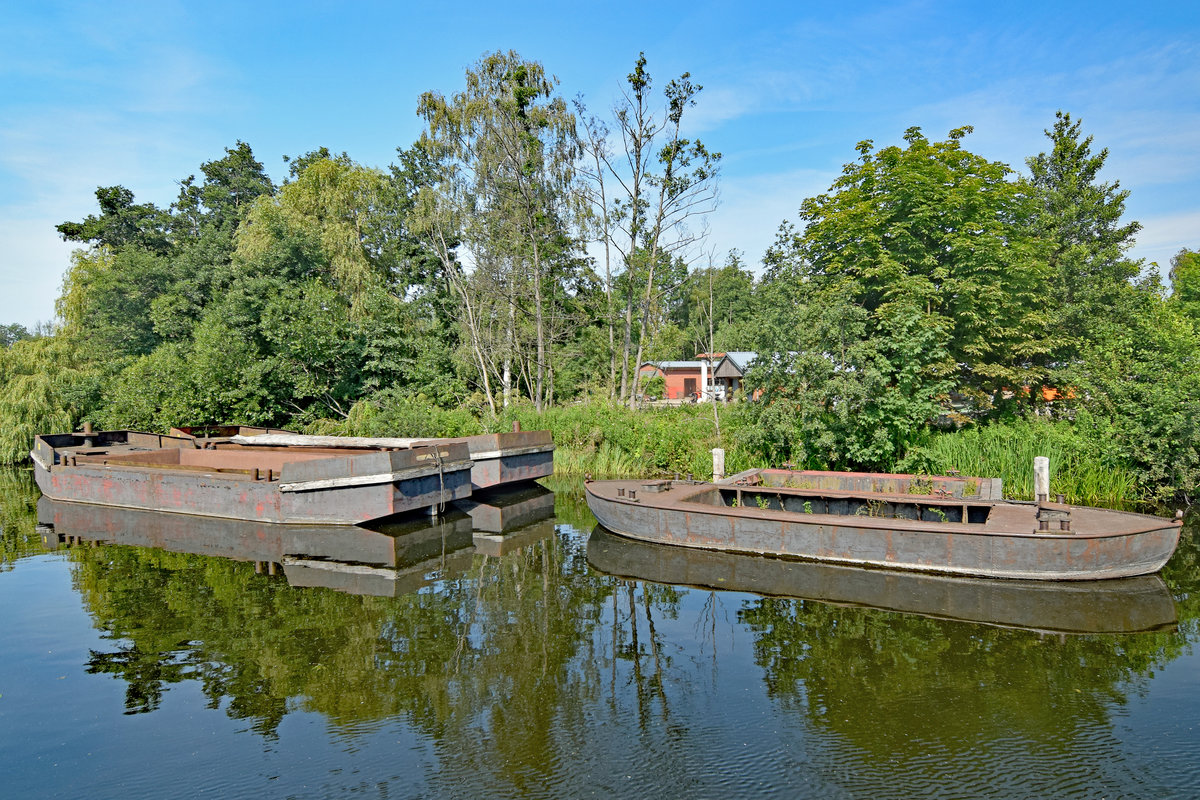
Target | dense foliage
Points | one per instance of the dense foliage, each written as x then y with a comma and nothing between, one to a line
523,257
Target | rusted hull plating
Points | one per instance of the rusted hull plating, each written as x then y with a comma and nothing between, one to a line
1104,544
324,487
500,459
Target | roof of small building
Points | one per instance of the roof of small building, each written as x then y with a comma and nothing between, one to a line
735,364
664,365
742,358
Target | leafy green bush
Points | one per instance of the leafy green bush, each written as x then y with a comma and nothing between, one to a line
655,386
393,413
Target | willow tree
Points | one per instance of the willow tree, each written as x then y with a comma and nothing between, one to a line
338,204
506,188
40,381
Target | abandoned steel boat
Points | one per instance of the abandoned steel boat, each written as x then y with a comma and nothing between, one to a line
219,478
940,524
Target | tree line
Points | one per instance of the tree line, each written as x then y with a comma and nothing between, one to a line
527,250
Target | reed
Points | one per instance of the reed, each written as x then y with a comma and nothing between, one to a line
1081,465
605,461
607,439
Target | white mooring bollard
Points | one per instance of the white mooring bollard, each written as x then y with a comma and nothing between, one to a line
718,463
1041,479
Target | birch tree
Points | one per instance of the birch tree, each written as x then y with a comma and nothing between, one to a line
507,148
663,186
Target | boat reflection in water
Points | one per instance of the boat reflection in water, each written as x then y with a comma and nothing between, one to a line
388,559
1123,605
507,508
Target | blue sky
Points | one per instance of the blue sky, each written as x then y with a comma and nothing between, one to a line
140,94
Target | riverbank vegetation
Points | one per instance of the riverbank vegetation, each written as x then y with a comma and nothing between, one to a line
933,310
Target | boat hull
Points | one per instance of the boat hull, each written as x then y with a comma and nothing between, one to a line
1141,547
259,485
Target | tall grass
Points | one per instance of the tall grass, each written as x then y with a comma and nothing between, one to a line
609,440
605,461
1082,464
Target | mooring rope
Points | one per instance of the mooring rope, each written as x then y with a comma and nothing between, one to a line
437,456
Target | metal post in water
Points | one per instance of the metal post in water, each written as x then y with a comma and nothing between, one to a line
718,463
1041,479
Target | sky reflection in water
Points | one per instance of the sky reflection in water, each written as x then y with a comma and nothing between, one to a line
438,661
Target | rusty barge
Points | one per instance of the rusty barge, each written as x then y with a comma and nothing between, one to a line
248,474
940,524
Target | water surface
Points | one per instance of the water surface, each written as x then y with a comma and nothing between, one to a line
438,661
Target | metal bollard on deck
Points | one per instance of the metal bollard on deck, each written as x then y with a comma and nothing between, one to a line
1041,479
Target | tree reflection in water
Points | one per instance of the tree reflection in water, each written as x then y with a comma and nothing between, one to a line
18,523
527,669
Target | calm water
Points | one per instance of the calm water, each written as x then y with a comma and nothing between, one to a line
435,661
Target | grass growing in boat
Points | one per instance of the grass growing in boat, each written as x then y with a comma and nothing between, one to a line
871,508
920,486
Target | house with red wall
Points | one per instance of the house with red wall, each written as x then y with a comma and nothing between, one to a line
683,379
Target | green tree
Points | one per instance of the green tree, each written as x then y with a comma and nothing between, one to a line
716,306
1185,282
121,222
44,388
506,148
1141,368
334,205
664,185
916,276
108,297
222,200
205,220
1080,218
12,333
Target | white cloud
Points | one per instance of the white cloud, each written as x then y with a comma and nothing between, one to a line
753,206
31,271
1163,236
